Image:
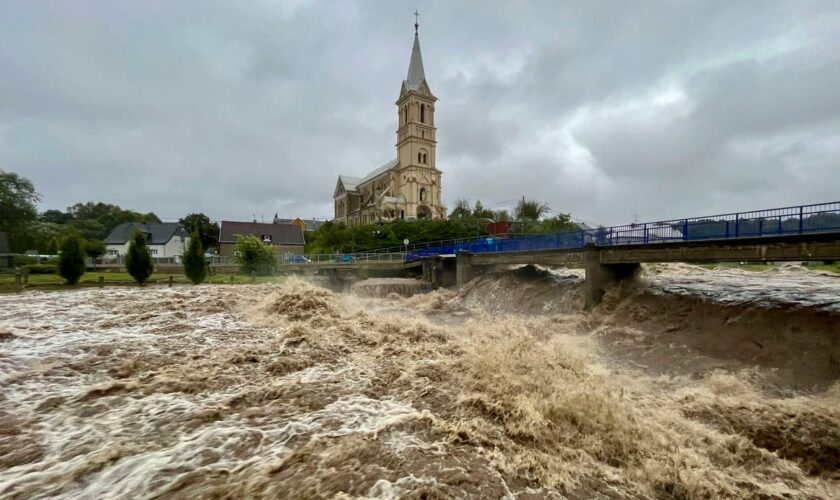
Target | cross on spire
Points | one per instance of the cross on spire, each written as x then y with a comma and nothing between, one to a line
416,20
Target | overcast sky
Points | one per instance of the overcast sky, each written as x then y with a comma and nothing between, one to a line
602,109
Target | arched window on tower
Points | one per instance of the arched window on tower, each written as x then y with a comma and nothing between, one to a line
422,113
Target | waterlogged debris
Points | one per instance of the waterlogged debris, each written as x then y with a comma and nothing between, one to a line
502,390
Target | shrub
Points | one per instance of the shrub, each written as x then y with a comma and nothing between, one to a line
254,256
41,268
71,260
138,260
195,264
24,260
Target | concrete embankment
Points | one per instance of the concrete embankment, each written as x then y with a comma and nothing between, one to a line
382,287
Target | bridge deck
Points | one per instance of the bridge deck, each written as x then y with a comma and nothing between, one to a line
825,246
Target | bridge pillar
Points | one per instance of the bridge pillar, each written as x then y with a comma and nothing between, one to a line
601,276
439,271
464,270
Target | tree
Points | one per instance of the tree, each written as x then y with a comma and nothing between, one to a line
17,201
53,216
479,212
501,215
96,220
95,249
530,209
42,236
254,256
52,246
71,260
195,264
461,209
560,224
207,229
138,260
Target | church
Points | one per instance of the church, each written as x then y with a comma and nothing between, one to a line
407,187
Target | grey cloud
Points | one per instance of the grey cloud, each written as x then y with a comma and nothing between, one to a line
236,109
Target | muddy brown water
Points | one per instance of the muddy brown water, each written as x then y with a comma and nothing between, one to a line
689,384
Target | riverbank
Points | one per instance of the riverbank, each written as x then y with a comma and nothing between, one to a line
54,282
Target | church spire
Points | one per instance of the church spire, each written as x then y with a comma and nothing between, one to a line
415,67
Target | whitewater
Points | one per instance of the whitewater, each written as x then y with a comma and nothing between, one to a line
688,383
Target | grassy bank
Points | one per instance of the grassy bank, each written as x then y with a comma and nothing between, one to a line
56,282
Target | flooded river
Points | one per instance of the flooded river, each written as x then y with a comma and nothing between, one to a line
690,383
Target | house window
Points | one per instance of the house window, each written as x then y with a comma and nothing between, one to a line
266,238
154,251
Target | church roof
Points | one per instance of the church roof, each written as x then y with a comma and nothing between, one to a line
379,171
349,182
416,75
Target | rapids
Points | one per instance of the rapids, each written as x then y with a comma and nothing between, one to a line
690,383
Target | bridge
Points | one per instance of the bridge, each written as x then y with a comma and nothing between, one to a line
610,254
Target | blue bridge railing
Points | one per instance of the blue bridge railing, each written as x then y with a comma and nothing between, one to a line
804,219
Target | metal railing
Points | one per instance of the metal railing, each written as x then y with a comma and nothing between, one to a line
804,219
331,258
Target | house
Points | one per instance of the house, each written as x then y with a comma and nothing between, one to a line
165,239
305,224
286,238
409,186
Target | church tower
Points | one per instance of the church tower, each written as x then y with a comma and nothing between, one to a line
407,187
416,140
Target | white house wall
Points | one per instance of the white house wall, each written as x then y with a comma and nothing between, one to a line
173,248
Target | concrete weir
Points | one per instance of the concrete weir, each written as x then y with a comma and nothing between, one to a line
382,287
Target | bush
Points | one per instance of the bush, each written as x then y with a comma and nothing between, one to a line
41,268
138,260
71,260
254,256
24,260
195,264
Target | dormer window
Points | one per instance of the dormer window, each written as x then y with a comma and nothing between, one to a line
266,238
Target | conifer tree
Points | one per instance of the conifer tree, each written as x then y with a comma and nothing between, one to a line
71,260
138,260
195,264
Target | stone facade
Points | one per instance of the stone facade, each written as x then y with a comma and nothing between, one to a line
409,186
